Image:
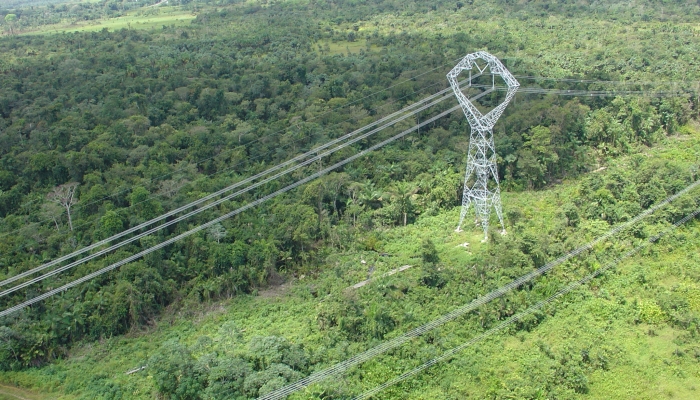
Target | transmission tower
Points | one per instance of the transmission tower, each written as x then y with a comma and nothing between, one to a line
481,159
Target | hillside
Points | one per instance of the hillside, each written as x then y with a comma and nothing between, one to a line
638,320
145,119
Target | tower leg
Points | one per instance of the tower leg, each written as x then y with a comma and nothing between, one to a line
496,198
484,219
481,165
499,212
482,191
466,192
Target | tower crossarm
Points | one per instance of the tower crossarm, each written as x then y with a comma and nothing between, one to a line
470,111
492,116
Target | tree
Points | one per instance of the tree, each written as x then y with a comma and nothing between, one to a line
401,193
268,350
9,343
428,252
143,204
370,197
171,187
111,223
10,20
65,196
217,232
272,378
336,182
379,321
295,226
175,373
537,155
353,204
603,130
226,379
51,211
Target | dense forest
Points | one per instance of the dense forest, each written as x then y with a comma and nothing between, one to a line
133,123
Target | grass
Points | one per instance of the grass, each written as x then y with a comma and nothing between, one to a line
136,19
344,47
15,393
647,361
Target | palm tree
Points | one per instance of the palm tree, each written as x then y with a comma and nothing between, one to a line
353,208
402,193
353,204
370,196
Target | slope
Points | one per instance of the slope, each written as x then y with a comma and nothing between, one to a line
640,320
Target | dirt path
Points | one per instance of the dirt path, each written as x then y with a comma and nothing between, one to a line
275,290
10,392
157,4
392,272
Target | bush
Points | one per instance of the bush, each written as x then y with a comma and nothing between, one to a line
175,372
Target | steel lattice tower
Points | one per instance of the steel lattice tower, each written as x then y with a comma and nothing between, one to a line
481,159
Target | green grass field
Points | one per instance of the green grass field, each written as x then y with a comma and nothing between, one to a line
167,16
343,47
14,393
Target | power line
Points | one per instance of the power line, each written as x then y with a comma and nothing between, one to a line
211,196
598,93
602,82
318,156
585,93
523,90
568,288
343,366
80,206
574,80
153,196
313,176
191,213
199,228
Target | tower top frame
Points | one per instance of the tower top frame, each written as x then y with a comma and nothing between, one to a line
496,68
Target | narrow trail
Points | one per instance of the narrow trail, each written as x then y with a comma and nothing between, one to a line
13,393
157,4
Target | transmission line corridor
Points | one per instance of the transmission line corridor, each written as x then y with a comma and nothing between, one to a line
290,174
294,164
107,246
